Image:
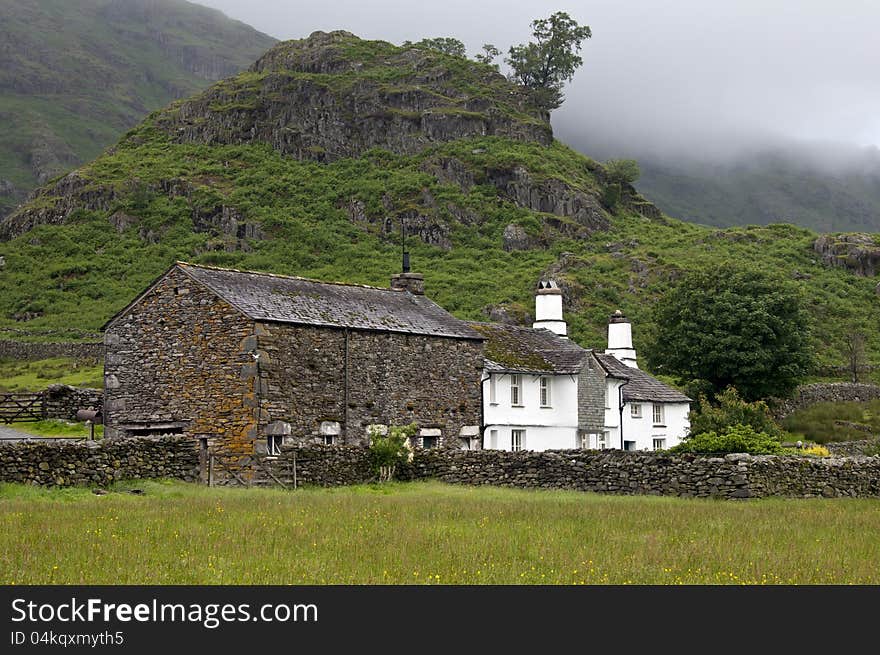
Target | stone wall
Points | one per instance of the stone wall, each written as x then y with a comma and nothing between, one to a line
809,394
655,473
356,378
26,350
854,448
69,463
316,465
179,360
62,401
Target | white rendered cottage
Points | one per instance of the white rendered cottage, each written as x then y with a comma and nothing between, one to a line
542,391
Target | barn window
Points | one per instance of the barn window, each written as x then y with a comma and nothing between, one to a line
274,444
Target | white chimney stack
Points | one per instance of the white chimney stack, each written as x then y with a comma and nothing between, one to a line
620,343
548,308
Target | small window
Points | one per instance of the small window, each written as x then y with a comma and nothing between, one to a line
516,390
658,414
492,399
493,439
604,438
517,439
629,445
635,410
274,445
659,444
584,441
329,439
545,392
430,442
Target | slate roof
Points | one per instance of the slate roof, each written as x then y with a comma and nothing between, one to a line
286,299
529,350
641,386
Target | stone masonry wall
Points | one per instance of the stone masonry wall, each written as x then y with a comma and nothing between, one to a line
62,401
56,463
29,351
181,355
316,465
809,394
854,448
650,473
591,397
392,379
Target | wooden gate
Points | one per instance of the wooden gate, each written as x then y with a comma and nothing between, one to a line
247,471
21,407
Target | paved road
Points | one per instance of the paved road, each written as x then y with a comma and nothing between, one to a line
8,433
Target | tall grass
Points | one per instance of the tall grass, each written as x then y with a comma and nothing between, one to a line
427,533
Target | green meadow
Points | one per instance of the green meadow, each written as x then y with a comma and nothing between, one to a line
426,533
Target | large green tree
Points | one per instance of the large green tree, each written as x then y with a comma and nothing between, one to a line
549,61
733,325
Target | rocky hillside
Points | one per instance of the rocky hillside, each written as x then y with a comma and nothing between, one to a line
74,76
311,161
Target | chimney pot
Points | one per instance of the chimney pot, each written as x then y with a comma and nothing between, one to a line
412,282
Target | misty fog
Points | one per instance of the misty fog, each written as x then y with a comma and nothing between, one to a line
683,78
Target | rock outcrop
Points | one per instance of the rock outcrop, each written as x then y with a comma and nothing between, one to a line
856,252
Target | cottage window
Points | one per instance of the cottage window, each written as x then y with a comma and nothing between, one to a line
273,446
659,444
635,410
329,439
658,414
493,439
545,392
517,439
430,442
492,398
604,438
516,390
629,445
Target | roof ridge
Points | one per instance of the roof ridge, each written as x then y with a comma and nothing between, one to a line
284,277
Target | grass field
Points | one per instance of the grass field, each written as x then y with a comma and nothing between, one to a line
430,533
36,375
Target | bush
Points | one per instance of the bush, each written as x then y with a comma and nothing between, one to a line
389,451
730,409
736,439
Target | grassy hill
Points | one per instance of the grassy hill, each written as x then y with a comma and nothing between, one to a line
309,162
74,76
772,187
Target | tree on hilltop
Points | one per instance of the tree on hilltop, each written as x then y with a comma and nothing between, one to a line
545,64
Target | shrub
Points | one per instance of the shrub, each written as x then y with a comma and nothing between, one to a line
389,451
730,409
736,439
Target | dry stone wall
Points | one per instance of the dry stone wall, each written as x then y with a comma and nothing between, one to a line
810,394
28,351
70,463
63,402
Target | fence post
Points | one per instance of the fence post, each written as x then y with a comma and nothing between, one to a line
294,470
211,470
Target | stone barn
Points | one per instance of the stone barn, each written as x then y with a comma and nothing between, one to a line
247,361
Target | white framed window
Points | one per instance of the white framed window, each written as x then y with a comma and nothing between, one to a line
517,439
516,390
273,445
635,410
545,391
492,398
658,414
430,442
603,440
493,439
659,443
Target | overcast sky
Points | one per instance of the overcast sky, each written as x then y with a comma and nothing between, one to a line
702,75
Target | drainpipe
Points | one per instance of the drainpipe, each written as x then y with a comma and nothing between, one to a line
483,412
621,405
345,391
